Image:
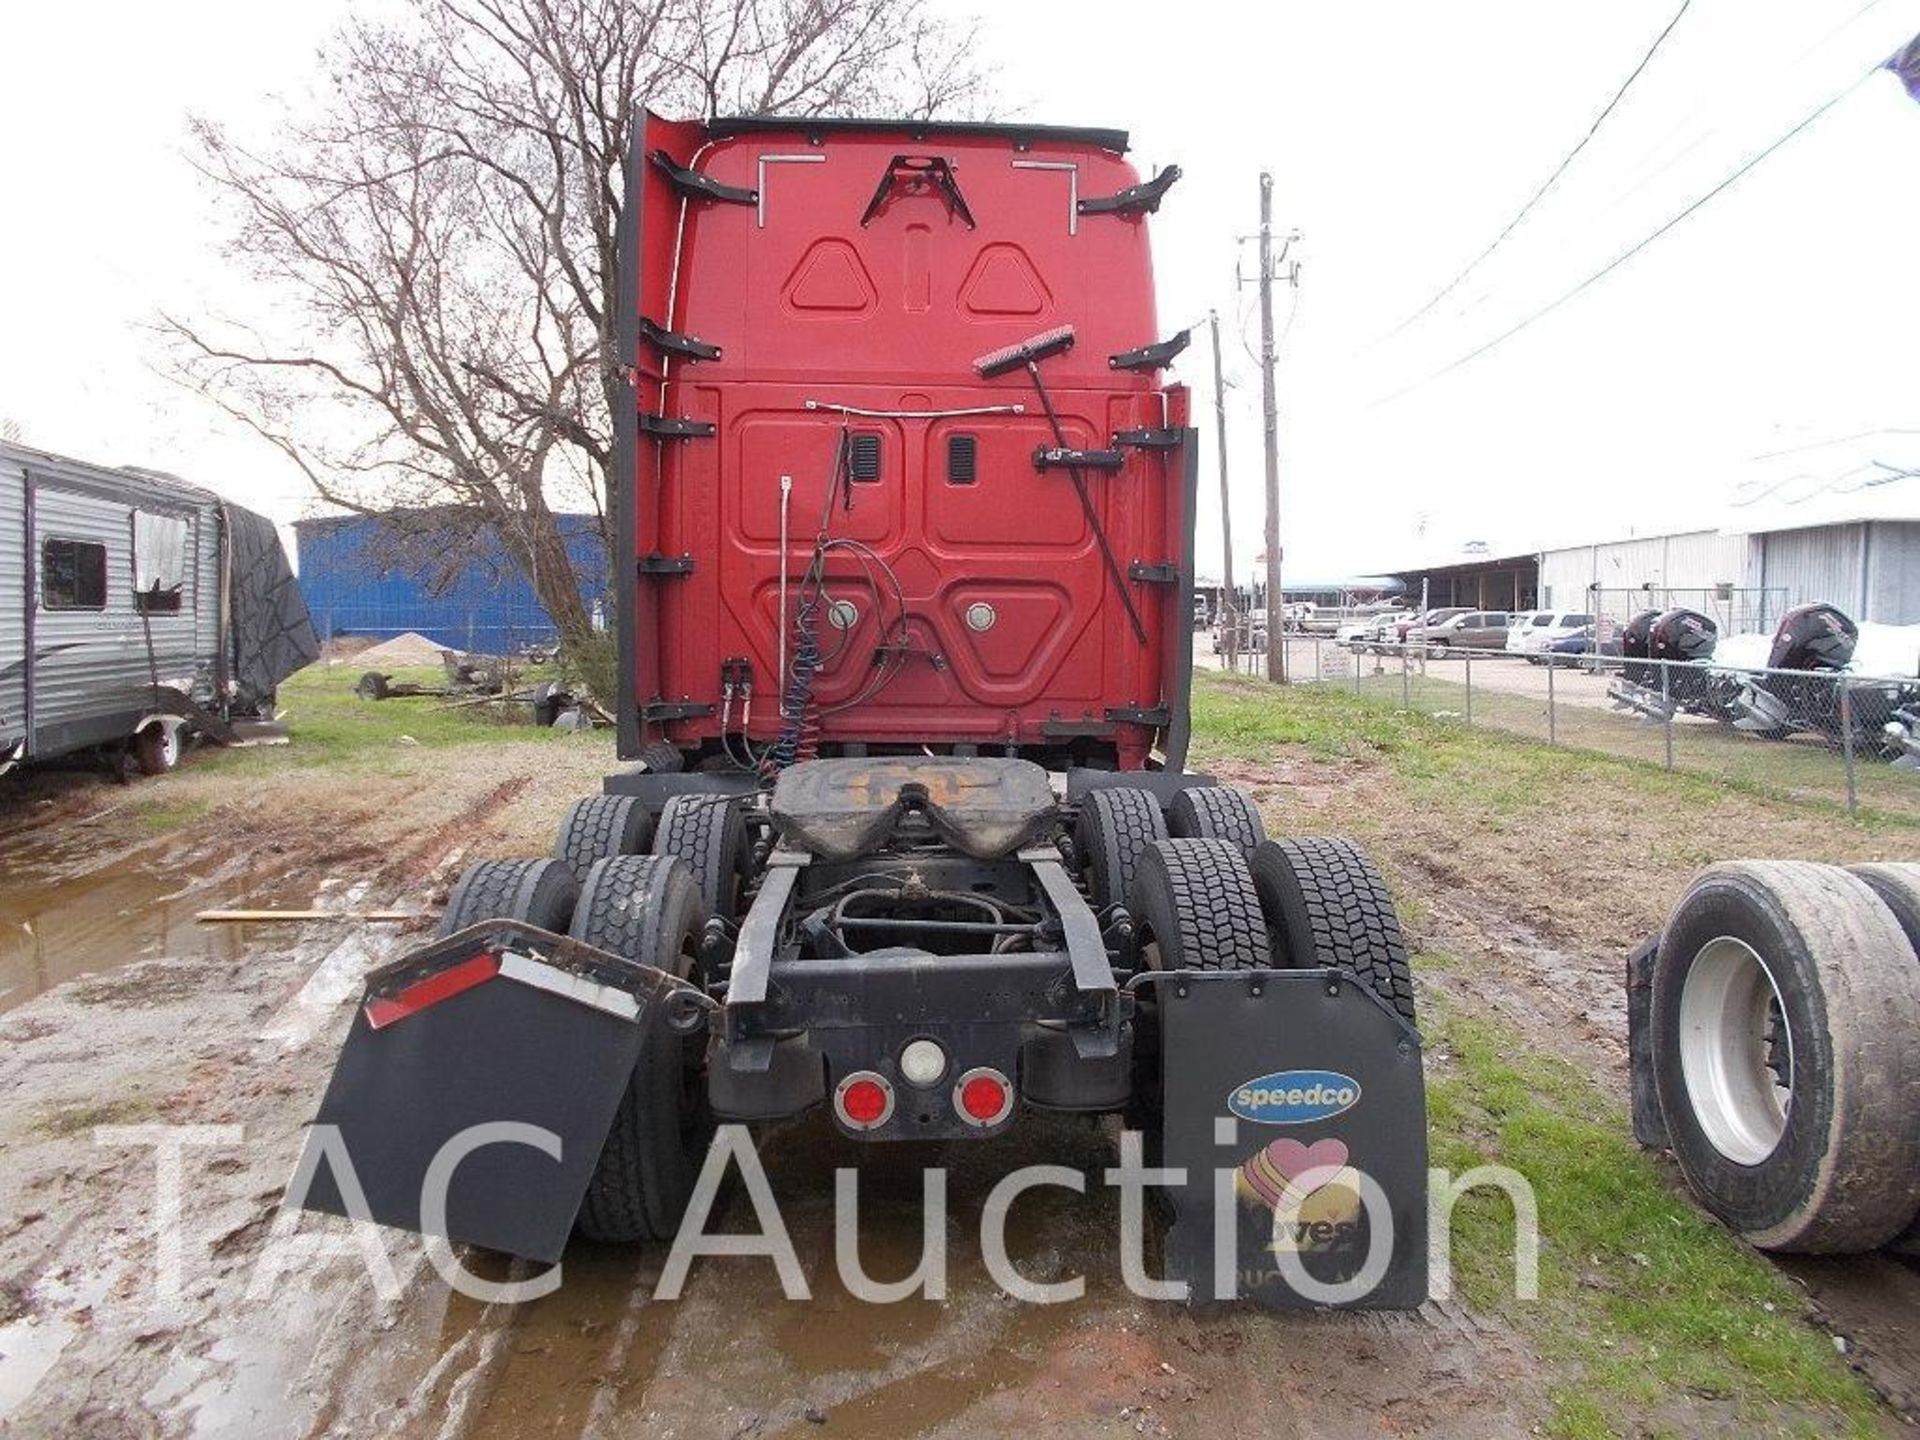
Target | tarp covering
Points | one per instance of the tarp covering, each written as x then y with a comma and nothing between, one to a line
1905,62
271,633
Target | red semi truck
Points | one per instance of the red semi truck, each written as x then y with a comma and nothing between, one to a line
905,515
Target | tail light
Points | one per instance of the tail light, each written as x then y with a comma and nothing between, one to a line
863,1100
983,1097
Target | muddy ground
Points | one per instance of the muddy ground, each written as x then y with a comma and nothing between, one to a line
120,1011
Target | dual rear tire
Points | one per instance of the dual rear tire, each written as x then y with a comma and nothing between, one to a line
1216,894
648,909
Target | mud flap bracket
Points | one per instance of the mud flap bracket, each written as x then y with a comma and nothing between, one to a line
1294,1102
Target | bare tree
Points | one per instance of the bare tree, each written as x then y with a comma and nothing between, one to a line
435,242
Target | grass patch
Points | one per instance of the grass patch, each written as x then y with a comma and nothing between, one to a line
330,723
1501,776
1648,1300
78,1119
165,812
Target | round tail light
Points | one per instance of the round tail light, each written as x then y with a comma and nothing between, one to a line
864,1100
983,1096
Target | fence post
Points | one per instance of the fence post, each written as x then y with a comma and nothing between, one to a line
1469,660
1666,712
1553,729
1406,684
1846,741
1319,650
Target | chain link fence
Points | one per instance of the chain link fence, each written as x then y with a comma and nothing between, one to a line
1733,609
1841,738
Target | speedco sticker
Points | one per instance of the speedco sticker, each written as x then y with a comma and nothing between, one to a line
1294,1097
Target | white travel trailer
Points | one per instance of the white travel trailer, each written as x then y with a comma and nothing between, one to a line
135,608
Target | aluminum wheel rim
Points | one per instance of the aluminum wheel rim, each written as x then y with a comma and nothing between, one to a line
1731,1024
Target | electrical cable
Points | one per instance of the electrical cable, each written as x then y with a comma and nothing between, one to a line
800,717
1551,180
1614,264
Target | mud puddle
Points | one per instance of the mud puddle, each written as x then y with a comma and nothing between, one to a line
78,903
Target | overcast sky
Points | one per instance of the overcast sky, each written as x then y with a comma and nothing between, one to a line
1402,137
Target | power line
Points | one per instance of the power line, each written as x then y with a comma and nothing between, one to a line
1628,254
1554,178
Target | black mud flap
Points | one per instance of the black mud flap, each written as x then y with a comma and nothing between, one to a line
1295,1101
500,1022
1649,1125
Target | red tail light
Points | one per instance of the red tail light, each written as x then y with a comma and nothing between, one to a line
863,1100
983,1096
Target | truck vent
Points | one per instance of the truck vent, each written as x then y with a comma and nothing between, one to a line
962,458
863,463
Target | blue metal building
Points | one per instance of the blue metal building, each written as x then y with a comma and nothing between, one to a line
380,577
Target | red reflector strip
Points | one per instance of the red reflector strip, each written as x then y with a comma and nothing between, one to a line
384,1010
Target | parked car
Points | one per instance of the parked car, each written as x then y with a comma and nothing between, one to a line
1408,628
1565,649
1534,633
1365,632
1470,630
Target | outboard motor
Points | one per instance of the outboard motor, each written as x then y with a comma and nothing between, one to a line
1813,637
1685,637
1635,647
1815,640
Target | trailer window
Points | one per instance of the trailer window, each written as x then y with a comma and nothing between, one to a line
159,562
73,575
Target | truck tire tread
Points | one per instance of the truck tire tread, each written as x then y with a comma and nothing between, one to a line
599,826
1196,899
1216,812
1115,827
535,892
1328,908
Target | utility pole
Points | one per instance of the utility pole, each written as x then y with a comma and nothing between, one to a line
1229,618
1270,426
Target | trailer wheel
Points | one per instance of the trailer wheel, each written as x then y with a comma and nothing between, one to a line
646,908
1783,1007
600,826
1328,908
371,686
710,834
1115,828
156,749
1198,908
535,892
1216,812
1898,887
661,758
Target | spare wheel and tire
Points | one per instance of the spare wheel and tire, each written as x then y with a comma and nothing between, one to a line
1785,998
